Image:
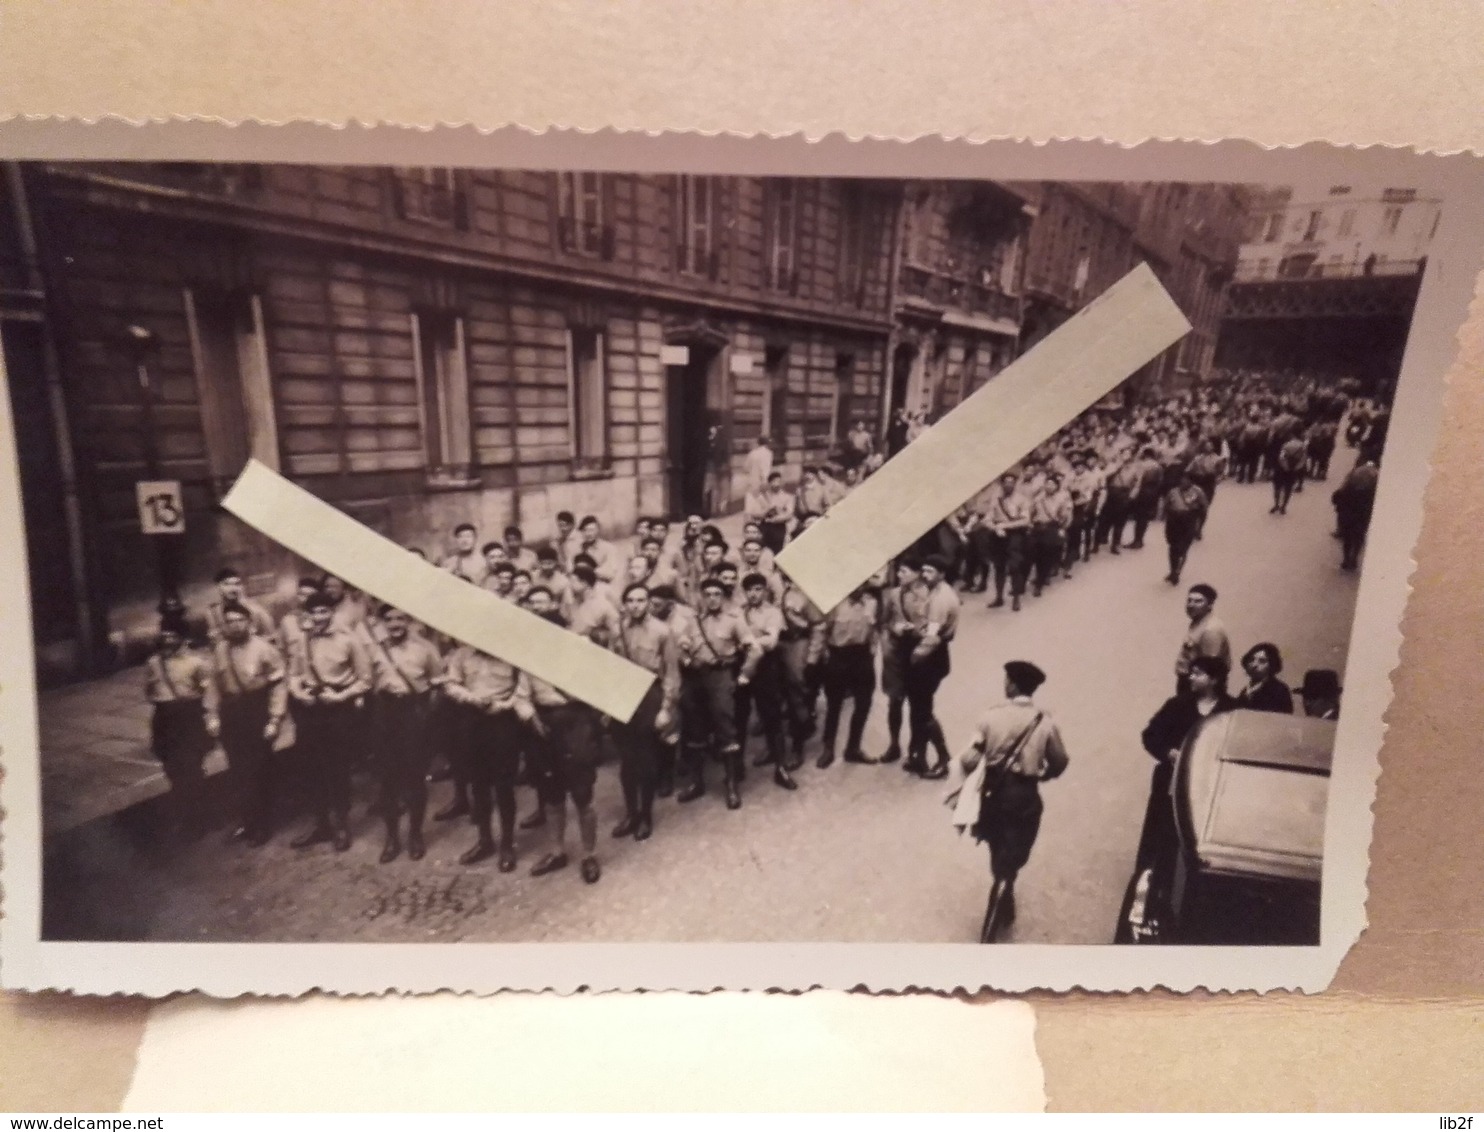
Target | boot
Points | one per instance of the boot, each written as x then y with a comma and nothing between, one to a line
784,779
915,763
1001,905
733,777
534,820
630,821
1015,604
697,786
665,781
342,835
393,847
939,768
893,753
645,827
416,850
482,850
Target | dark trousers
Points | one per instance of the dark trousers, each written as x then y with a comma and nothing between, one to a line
849,674
1048,546
765,692
328,734
1180,532
1112,519
1007,558
800,687
922,680
1079,535
708,718
564,759
179,740
493,749
250,760
1010,819
775,535
640,751
1352,537
1284,481
1143,512
403,756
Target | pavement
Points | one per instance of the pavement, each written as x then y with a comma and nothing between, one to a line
857,854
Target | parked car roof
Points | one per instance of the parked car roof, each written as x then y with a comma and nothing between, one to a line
1254,786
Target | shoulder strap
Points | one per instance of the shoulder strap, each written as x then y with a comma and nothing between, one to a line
1002,768
228,665
711,648
390,659
165,676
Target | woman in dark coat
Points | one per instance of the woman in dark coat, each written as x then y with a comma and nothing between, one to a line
1264,691
1163,738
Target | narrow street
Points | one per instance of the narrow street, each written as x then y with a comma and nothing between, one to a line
857,854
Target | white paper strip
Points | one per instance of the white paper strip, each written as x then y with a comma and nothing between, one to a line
826,1051
335,542
1098,347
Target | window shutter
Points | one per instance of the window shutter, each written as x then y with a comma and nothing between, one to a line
462,214
606,243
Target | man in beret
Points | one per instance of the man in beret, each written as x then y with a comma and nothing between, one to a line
1021,747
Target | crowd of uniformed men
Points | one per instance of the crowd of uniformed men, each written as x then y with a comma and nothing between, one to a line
343,681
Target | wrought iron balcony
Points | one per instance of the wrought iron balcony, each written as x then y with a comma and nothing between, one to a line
944,290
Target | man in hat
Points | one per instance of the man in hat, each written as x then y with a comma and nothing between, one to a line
1021,748
230,591
1354,500
406,671
1320,692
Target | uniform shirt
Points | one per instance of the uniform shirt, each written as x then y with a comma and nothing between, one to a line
523,559
469,566
594,617
812,498
557,582
934,610
180,676
770,572
566,548
333,660
650,643
607,564
1188,500
1054,507
350,617
716,640
410,665
897,614
261,625
853,622
1007,512
1291,456
1041,756
1206,637
488,683
1084,487
292,630
779,506
249,667
765,623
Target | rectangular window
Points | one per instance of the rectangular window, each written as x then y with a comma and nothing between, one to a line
443,385
230,356
783,236
844,388
1347,222
429,194
775,398
1391,221
855,239
1311,232
696,249
582,215
587,397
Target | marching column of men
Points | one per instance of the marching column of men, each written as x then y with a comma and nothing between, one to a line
727,636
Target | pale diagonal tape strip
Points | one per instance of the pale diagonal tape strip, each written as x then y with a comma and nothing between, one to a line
334,541
1100,346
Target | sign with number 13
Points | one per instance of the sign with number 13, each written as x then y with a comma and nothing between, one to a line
161,509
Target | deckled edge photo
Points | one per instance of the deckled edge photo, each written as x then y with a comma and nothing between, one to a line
291,969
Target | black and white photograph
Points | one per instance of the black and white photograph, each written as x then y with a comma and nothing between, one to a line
1096,704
